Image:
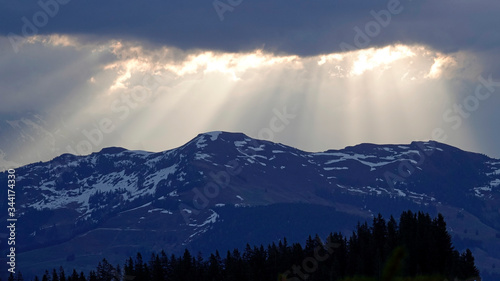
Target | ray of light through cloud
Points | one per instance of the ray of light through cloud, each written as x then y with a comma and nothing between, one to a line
380,95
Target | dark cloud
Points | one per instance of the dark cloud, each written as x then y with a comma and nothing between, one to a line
283,26
72,81
43,76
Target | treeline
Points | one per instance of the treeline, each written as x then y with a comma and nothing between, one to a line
417,248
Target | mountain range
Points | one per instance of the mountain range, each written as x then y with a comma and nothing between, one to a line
222,190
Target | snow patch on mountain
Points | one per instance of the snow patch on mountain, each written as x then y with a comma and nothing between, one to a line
201,156
137,208
203,227
495,183
400,192
201,143
480,191
335,168
495,167
260,148
356,157
153,179
127,184
213,135
240,143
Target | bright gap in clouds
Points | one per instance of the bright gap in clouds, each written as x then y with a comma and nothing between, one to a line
159,98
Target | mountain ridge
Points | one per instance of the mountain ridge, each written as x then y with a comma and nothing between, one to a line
181,196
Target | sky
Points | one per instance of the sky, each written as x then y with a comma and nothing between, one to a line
77,76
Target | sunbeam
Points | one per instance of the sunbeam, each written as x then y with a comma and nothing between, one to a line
163,96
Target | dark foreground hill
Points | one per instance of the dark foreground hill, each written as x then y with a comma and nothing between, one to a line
416,248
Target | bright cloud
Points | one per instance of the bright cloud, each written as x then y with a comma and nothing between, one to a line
159,98
375,58
441,63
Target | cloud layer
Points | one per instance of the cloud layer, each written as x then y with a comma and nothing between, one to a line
292,27
91,95
157,73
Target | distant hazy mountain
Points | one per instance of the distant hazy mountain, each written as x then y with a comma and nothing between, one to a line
222,190
31,137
